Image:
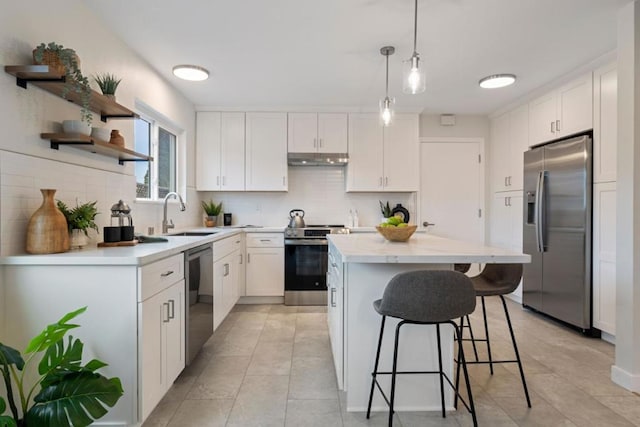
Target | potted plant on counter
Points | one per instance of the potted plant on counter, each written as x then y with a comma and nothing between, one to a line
385,210
66,393
108,84
79,220
212,210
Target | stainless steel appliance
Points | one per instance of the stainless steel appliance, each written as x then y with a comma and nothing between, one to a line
198,274
557,230
305,264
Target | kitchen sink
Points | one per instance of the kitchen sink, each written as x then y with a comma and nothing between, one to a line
193,233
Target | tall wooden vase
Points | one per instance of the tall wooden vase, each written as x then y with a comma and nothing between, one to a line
47,232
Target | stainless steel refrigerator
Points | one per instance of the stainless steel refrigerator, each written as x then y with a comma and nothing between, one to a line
557,230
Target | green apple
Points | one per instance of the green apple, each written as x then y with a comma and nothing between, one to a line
403,224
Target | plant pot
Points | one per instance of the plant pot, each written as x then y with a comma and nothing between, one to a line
110,96
53,61
78,239
210,221
116,138
76,126
47,231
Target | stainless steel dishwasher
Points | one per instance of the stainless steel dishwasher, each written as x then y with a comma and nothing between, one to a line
199,298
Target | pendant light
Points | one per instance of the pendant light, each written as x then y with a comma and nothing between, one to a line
414,79
386,104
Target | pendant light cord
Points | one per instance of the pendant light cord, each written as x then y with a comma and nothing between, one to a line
387,77
415,28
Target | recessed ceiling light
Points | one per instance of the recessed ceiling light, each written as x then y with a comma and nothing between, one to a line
191,72
497,80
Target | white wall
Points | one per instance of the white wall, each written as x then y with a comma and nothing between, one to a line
24,114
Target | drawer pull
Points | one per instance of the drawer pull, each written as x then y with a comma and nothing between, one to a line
266,240
172,309
167,273
333,296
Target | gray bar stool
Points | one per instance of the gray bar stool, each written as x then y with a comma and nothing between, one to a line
496,280
426,297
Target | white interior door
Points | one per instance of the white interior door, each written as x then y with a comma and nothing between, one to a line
452,189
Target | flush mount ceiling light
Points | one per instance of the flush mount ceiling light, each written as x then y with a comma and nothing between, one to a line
497,80
414,78
190,72
386,104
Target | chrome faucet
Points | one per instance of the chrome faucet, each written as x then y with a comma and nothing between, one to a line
166,225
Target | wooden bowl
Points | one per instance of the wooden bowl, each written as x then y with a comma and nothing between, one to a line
397,234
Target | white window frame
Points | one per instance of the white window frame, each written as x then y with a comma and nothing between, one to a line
156,121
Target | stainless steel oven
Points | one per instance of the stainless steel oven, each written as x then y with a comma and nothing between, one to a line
305,264
198,298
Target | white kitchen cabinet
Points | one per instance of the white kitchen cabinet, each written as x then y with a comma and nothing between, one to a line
220,151
226,276
266,152
265,264
335,313
509,140
605,123
383,158
317,133
562,112
506,225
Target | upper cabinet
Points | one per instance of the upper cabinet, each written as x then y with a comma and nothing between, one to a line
266,155
605,126
565,111
317,133
383,158
509,140
220,151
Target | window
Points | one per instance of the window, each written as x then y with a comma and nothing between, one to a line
156,178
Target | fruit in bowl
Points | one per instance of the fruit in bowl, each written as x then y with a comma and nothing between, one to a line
396,230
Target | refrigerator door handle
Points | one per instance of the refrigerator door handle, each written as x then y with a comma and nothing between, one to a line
540,212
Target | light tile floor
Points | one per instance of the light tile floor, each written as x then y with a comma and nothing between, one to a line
271,365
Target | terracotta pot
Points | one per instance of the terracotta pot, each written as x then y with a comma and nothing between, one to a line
116,138
210,221
47,232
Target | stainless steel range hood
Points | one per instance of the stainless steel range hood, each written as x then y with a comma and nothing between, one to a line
317,159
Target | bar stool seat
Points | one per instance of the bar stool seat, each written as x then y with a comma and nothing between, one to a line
426,297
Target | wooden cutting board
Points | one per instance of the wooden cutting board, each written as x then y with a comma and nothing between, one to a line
114,244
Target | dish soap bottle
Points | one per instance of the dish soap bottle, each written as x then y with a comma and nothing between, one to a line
356,221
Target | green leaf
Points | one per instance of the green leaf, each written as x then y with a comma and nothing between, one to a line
94,365
77,400
10,356
53,333
57,360
3,405
6,421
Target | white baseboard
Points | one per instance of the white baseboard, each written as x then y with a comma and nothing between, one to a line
611,339
514,298
261,300
625,379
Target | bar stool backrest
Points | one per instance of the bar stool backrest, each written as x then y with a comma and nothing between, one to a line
428,296
502,275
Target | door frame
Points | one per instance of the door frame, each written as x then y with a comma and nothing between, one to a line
481,179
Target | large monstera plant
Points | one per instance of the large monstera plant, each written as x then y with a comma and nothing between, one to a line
66,392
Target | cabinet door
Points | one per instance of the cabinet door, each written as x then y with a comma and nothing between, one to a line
516,218
604,257
575,106
332,133
218,292
232,152
605,126
303,133
152,377
265,272
401,154
266,156
499,152
364,170
500,220
175,332
542,119
518,141
208,151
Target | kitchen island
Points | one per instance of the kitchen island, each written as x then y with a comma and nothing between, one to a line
360,266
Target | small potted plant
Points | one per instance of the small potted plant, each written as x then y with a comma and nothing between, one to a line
385,210
108,84
79,220
66,392
212,210
65,61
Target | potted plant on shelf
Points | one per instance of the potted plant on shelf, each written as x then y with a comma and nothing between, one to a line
79,220
212,210
66,62
69,394
108,84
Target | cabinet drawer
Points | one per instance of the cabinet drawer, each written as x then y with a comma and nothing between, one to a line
160,275
224,247
265,240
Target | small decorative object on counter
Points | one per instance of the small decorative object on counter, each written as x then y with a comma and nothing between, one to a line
227,219
108,84
79,220
356,220
47,231
212,211
402,212
395,230
112,234
116,138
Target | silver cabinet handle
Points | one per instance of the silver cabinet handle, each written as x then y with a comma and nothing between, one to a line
386,181
314,142
553,127
224,180
505,181
427,224
380,182
509,180
320,142
167,273
166,304
240,259
248,258
265,240
557,125
226,270
283,181
172,309
333,297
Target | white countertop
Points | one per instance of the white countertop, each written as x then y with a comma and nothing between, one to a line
420,248
140,254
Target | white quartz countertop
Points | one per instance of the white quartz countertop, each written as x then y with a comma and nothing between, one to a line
421,248
140,254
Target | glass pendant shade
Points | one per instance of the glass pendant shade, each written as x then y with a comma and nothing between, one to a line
386,110
413,77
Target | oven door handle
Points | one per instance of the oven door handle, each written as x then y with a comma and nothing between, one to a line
305,242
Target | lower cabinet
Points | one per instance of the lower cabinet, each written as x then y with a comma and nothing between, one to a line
335,303
265,265
226,277
604,257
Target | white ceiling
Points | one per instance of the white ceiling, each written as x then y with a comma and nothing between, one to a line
306,54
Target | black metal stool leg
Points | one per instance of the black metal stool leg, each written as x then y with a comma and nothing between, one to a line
457,334
486,331
440,373
393,372
473,340
515,349
466,378
375,367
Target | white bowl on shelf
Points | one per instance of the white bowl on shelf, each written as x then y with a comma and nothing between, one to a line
103,134
76,126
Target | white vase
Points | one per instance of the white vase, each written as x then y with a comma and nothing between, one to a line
78,239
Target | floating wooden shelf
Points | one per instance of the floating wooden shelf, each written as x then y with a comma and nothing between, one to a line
93,145
53,82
